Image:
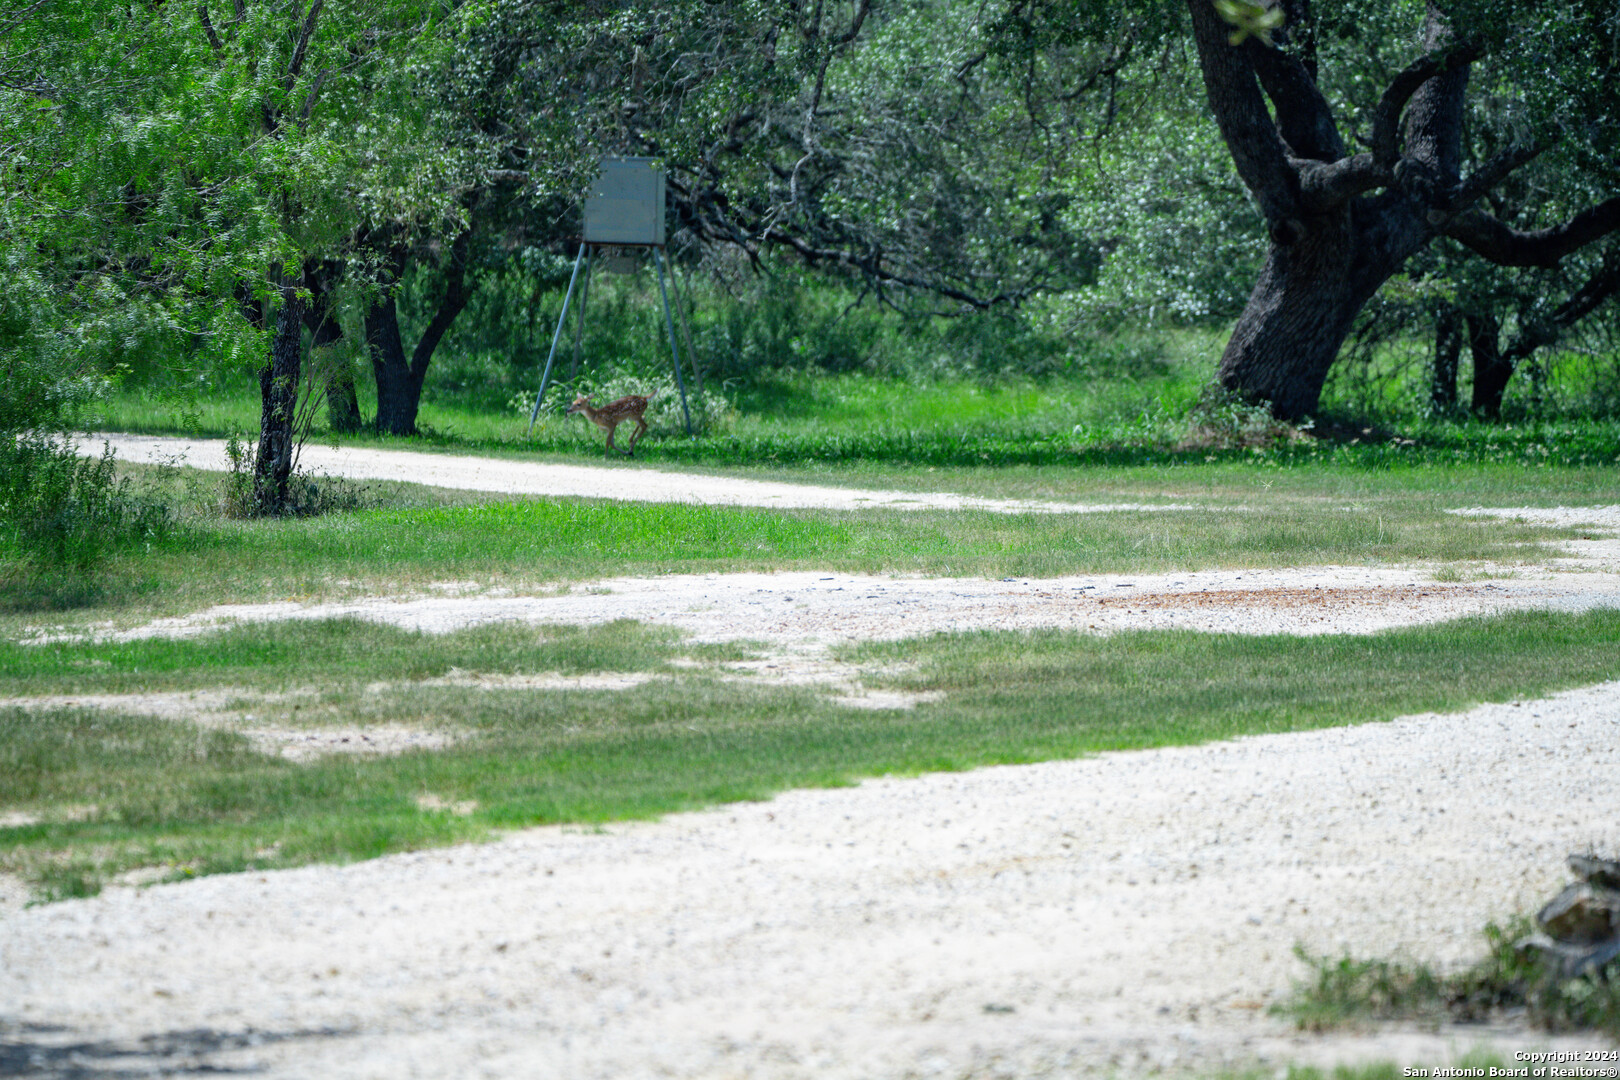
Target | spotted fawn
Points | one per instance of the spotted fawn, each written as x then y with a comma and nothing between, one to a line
614,413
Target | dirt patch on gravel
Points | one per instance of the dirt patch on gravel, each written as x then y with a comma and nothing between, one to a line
1315,598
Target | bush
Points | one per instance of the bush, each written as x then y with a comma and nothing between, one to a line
60,511
307,495
1220,420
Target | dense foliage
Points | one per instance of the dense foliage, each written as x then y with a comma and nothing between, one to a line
350,188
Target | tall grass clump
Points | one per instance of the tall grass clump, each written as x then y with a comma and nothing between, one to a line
63,512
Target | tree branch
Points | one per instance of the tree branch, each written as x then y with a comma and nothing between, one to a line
309,98
457,292
1434,117
1604,283
872,266
1493,172
296,67
854,31
208,28
1323,187
1489,237
1245,123
1303,115
1387,115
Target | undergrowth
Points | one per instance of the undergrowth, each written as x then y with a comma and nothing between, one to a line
1509,980
61,513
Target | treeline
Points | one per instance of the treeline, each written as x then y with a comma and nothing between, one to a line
243,181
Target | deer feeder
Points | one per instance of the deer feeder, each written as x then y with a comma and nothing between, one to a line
624,210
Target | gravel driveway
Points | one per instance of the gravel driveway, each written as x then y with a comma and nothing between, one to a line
1125,911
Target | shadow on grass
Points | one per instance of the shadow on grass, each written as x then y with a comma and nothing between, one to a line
25,591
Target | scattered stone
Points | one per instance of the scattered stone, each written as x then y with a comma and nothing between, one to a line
1604,873
1580,927
1582,914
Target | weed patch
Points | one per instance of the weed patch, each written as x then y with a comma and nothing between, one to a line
1346,992
65,514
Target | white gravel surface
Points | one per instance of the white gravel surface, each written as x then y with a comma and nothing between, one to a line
806,611
624,481
1123,912
1047,920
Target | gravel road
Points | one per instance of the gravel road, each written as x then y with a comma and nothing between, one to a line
1124,912
623,482
1130,910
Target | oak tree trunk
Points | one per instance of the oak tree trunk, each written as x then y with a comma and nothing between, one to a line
1447,350
1307,298
1492,370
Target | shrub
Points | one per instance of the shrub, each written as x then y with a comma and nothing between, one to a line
307,495
60,511
1220,420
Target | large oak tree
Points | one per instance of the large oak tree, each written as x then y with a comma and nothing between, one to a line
1342,218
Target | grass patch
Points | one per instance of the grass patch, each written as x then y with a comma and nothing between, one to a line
115,792
1057,693
814,420
333,654
538,543
1348,993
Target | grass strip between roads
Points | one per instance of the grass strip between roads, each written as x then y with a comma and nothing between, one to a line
537,543
114,792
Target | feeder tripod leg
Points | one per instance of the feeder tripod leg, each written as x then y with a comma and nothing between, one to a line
680,310
669,324
552,355
579,323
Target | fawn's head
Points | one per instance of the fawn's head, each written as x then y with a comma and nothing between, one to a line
580,403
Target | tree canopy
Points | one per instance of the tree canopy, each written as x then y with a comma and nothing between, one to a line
219,178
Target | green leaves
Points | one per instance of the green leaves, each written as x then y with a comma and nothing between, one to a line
1250,18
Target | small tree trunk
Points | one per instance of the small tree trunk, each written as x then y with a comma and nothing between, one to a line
1447,348
398,394
1491,370
278,392
325,331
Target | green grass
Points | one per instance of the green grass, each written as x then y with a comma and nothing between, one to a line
814,422
116,792
1058,693
334,654
1351,993
539,543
